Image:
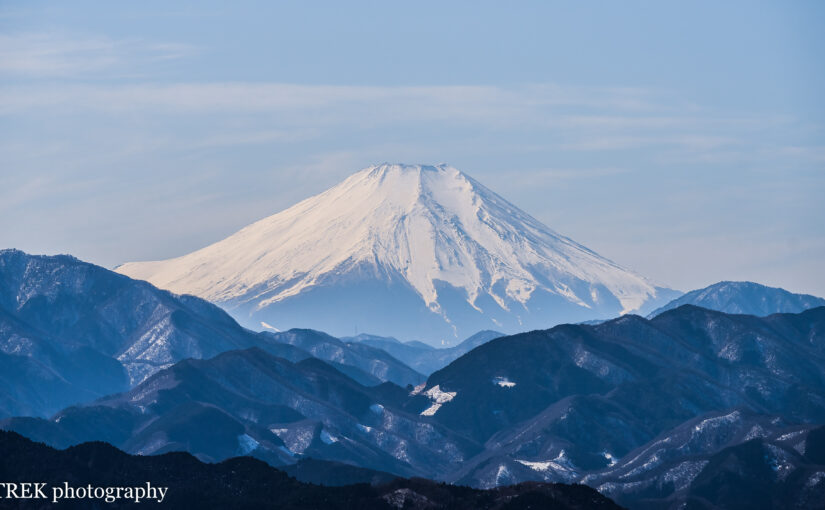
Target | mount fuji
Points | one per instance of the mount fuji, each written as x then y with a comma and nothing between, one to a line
411,251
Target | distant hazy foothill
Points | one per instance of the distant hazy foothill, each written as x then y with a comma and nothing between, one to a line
411,251
422,357
745,298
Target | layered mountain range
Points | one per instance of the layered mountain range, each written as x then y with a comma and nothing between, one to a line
71,332
411,251
652,412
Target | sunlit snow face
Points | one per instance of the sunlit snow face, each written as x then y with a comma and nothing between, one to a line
429,227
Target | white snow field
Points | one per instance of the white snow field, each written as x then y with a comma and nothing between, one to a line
411,251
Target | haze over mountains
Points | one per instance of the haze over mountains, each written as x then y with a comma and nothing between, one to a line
410,251
422,357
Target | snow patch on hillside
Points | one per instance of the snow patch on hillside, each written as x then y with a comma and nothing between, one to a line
561,468
439,398
503,382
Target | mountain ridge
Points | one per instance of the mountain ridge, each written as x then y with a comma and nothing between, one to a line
248,483
743,297
423,357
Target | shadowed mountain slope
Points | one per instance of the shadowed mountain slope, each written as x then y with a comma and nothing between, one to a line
251,484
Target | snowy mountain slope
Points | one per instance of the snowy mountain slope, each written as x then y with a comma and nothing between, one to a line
746,298
54,307
409,251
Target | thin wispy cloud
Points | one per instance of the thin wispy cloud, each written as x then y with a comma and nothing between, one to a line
314,109
569,119
239,97
62,55
228,139
690,141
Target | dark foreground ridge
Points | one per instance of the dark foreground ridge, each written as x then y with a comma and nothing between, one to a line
244,482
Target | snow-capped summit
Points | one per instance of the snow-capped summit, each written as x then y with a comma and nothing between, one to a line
412,251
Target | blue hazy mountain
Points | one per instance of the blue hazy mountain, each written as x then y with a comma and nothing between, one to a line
380,363
745,298
71,332
75,331
420,356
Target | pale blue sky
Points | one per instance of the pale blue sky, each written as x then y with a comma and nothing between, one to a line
685,140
